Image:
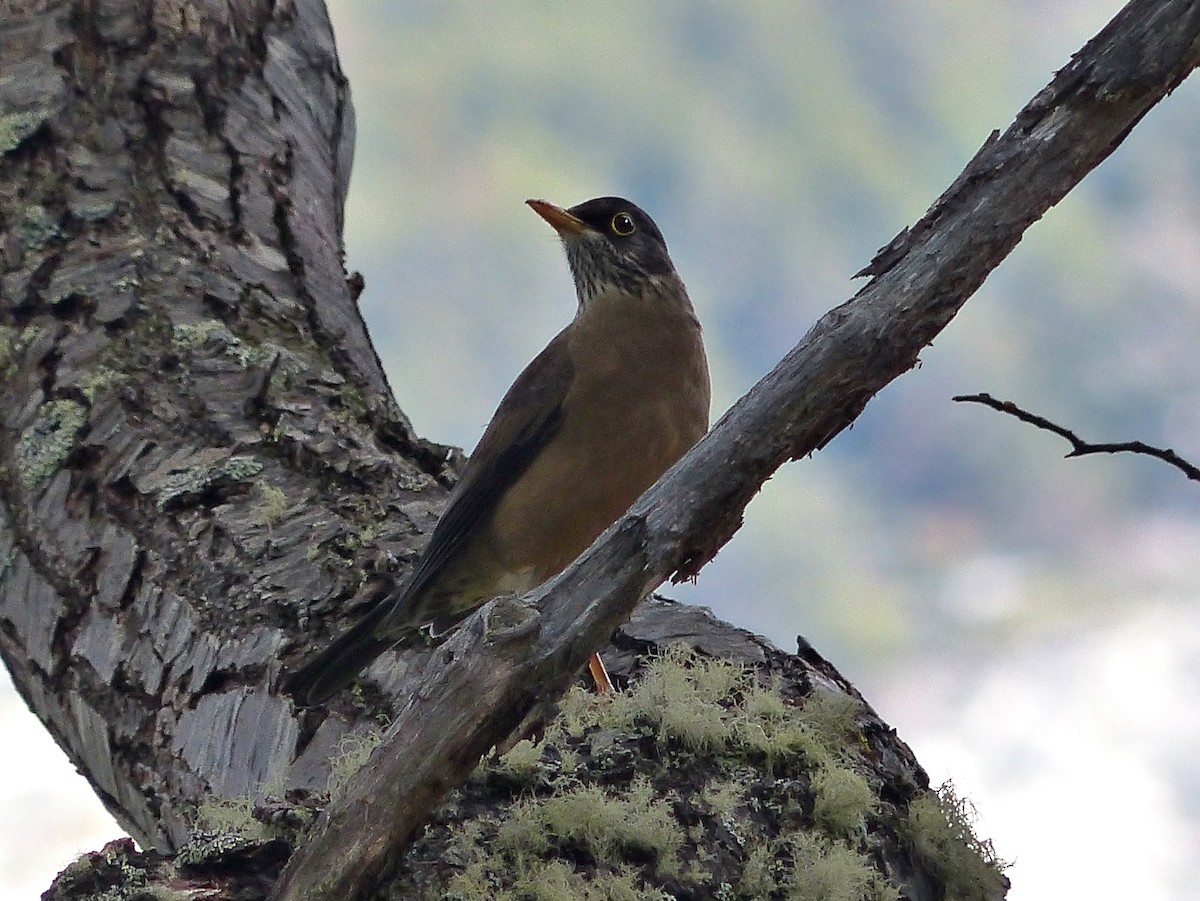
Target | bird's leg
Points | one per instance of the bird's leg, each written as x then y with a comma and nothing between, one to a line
604,684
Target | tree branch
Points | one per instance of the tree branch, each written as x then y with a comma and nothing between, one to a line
1079,447
919,282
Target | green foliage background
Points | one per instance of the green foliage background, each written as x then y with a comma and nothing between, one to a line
778,145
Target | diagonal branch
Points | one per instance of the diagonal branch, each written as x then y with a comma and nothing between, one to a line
526,652
1079,447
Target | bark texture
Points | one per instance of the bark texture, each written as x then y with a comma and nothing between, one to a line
202,471
201,456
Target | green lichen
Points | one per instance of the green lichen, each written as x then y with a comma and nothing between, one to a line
272,507
194,335
240,468
188,336
701,780
231,817
657,790
8,349
761,874
99,381
472,883
549,881
248,354
225,826
724,796
353,541
843,800
687,701
112,874
48,441
30,335
684,704
832,716
16,127
196,480
827,871
354,750
203,846
522,761
568,760
598,824
940,830
36,228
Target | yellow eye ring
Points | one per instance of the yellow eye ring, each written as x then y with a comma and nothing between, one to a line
622,225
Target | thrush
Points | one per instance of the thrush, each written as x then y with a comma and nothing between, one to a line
607,407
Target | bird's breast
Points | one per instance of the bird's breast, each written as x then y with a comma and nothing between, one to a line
638,401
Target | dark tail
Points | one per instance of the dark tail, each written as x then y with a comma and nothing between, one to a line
349,654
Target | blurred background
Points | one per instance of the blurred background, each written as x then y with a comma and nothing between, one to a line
1029,624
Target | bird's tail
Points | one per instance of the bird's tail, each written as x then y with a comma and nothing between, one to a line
346,656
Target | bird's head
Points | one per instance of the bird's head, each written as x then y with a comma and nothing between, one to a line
612,245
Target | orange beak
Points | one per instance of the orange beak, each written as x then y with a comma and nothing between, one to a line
562,221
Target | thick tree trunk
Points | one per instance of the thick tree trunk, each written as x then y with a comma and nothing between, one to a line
205,474
203,461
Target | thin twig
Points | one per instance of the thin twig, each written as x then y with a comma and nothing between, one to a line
1079,447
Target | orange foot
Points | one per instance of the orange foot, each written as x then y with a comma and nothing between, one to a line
604,684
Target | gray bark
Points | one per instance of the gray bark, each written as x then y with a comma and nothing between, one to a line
202,458
205,473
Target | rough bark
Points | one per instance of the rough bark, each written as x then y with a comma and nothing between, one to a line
204,470
201,454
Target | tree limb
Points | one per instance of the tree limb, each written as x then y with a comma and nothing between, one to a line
1079,447
919,282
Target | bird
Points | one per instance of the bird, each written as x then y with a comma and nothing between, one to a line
615,398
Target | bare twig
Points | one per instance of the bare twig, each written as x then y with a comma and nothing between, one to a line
1079,447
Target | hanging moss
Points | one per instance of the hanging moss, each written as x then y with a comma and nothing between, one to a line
940,830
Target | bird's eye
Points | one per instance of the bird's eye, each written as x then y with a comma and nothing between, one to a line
622,224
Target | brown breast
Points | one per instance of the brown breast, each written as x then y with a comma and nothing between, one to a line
638,402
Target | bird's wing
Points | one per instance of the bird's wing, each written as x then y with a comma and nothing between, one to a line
528,417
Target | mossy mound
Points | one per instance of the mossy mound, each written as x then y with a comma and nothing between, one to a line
704,779
700,781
